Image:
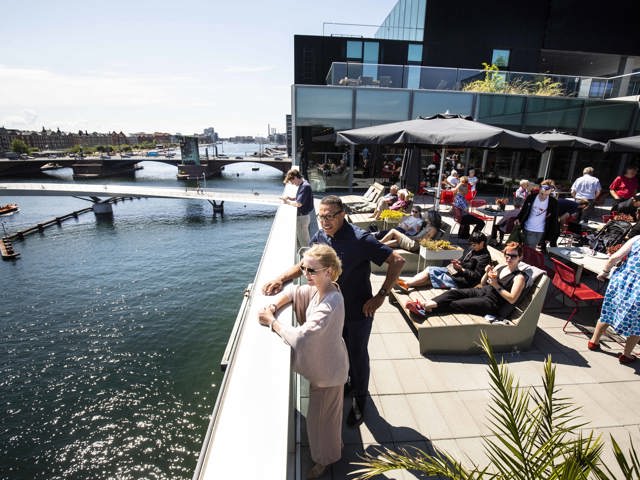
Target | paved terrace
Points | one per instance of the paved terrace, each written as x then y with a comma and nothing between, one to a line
440,401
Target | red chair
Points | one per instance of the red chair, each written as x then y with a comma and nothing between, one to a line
476,203
446,197
565,281
535,258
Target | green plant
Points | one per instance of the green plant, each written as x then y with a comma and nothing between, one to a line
19,146
493,81
535,437
547,88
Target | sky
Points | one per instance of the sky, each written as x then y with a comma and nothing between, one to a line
160,66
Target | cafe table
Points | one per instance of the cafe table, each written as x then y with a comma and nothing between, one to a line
583,258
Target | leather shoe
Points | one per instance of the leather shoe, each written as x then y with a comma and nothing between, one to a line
356,415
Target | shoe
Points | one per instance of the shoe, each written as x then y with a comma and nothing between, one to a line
415,307
402,286
623,359
595,347
316,471
355,417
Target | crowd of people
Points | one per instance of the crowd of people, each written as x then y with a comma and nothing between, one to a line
336,306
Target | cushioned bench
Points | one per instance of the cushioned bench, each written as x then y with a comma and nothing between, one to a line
460,333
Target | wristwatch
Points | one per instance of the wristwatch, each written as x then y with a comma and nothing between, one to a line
383,292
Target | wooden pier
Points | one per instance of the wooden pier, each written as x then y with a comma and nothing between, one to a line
6,247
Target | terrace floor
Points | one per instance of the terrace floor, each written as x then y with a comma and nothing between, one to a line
440,401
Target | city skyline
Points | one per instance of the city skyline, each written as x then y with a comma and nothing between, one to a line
167,67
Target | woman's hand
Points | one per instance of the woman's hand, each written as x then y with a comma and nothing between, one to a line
265,316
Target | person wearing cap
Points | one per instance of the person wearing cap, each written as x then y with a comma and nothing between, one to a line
539,216
624,186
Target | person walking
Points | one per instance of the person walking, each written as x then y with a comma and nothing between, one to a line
303,201
539,216
319,352
356,248
621,305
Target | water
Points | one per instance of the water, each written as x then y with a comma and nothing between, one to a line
112,330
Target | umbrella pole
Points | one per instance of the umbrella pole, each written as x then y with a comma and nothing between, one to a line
548,166
436,203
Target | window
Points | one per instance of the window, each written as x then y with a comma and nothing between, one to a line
414,53
500,58
354,50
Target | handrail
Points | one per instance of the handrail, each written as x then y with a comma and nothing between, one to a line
251,428
232,343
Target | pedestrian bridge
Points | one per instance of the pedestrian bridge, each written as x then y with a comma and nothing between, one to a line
96,191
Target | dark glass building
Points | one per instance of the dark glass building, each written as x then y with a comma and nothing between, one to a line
425,54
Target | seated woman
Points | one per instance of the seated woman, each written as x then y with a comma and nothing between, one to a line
408,239
399,204
499,286
468,270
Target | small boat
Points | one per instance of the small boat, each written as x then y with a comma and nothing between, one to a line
255,169
9,209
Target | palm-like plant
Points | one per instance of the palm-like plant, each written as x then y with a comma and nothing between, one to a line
534,437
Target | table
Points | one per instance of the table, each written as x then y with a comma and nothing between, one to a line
431,256
587,262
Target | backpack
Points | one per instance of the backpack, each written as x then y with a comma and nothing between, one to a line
613,233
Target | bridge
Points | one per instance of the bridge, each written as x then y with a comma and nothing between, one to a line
94,192
102,167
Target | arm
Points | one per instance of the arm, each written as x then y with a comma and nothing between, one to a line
274,286
266,315
614,185
617,257
516,289
394,262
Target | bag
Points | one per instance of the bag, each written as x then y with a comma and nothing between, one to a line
516,235
613,233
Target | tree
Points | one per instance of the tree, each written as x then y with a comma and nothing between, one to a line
536,437
19,146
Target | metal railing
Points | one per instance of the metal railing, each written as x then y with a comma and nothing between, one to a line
455,79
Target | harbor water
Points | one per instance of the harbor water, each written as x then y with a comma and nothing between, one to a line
113,329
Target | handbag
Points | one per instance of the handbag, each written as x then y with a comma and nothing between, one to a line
516,235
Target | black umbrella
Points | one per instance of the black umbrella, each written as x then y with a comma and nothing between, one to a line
625,144
440,131
556,139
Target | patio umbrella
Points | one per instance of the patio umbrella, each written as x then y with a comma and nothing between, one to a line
625,144
440,131
555,139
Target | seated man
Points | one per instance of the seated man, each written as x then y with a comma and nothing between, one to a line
505,225
466,272
409,241
465,219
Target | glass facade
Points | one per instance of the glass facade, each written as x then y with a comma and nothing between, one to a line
404,22
321,110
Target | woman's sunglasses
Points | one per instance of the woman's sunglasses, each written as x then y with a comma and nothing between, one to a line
311,271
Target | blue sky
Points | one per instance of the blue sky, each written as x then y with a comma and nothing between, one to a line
175,67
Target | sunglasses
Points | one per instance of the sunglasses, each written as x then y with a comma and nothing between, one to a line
311,271
547,187
415,211
329,216
511,255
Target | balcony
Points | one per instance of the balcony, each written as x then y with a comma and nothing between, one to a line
351,74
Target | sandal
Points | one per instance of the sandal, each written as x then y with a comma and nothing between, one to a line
594,347
402,286
415,307
623,359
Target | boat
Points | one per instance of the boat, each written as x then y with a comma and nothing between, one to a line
9,209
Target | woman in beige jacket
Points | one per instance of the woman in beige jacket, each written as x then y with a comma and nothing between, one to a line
319,351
